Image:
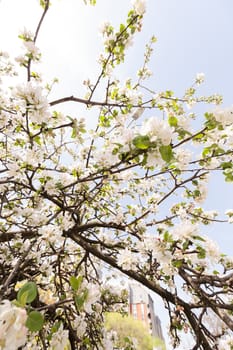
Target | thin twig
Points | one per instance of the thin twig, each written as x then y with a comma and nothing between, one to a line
14,271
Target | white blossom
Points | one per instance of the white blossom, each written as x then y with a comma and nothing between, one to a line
157,130
13,332
224,116
26,34
60,339
13,169
184,122
47,296
51,233
93,297
183,157
104,27
32,50
225,343
126,259
212,250
139,6
154,159
184,230
229,213
33,100
200,77
213,163
203,191
80,325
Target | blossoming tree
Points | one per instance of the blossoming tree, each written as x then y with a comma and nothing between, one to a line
78,204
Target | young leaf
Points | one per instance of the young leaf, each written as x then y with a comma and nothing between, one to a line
80,299
43,3
201,253
226,165
199,238
141,142
74,132
172,121
27,293
166,153
177,263
35,321
54,329
75,282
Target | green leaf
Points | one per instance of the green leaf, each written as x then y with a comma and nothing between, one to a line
142,142
201,252
206,151
167,237
43,3
210,121
35,321
27,293
127,340
54,329
76,282
122,27
198,136
199,238
166,153
229,177
177,263
172,121
226,165
186,244
74,132
169,93
80,299
86,341
16,303
37,140
105,121
144,161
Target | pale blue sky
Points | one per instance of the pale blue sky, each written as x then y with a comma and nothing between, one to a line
193,36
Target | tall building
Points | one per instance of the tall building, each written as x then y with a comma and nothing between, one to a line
141,307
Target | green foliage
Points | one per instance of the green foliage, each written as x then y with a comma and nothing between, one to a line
177,263
127,326
172,121
27,293
166,153
44,3
212,150
76,282
35,321
201,252
227,171
211,123
54,329
80,299
141,142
